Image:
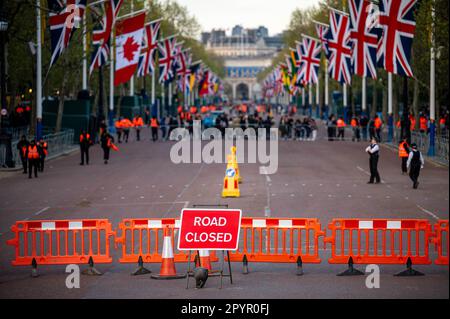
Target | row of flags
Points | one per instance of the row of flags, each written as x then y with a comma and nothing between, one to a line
137,45
370,36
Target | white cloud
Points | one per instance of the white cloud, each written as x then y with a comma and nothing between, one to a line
225,14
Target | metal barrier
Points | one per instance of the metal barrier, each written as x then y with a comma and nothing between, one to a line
299,239
379,241
441,242
61,242
144,238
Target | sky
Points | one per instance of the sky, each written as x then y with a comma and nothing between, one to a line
225,14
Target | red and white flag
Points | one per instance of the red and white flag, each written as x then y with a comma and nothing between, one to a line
129,34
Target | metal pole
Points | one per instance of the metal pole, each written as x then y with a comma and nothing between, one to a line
432,84
310,99
163,98
317,98
390,109
364,95
84,52
170,98
153,94
38,72
132,77
111,82
326,88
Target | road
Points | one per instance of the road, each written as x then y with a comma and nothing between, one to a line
319,179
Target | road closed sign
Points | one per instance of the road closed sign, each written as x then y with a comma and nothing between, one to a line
209,229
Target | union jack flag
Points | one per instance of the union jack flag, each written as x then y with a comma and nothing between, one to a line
64,18
310,60
321,30
166,59
149,49
102,33
340,52
398,25
364,37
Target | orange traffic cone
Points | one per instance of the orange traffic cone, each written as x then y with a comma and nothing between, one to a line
168,270
231,184
205,261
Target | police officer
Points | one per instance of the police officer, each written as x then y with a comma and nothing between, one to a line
32,155
85,143
22,147
373,150
415,164
403,153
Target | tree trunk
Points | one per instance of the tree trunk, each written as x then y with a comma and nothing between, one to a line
119,102
352,103
60,113
415,108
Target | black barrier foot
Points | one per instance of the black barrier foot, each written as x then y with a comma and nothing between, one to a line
409,272
245,265
91,271
351,271
34,272
141,270
299,266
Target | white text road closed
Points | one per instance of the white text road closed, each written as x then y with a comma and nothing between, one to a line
209,229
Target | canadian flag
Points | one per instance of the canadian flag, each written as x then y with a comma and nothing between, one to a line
129,34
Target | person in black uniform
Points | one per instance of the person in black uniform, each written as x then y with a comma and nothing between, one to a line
415,164
373,150
85,143
106,141
22,146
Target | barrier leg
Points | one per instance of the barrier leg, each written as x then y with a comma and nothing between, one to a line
351,271
34,272
409,272
141,270
91,271
245,265
299,266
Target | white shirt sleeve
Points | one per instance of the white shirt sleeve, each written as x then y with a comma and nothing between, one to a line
375,149
422,160
409,159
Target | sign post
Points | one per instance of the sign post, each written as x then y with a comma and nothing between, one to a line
210,229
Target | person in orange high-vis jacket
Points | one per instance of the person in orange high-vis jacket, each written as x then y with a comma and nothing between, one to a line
154,124
119,130
126,125
378,123
403,153
204,109
138,123
356,129
341,128
33,158
193,110
85,143
423,124
412,121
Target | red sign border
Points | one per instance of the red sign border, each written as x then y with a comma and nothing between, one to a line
210,210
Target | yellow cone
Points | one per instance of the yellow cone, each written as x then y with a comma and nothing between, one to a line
231,184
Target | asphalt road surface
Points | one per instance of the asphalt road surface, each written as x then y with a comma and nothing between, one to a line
319,179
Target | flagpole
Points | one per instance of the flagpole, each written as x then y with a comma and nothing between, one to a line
303,101
84,51
132,77
310,99
38,72
163,99
153,93
111,81
390,109
170,99
364,95
317,97
431,151
326,88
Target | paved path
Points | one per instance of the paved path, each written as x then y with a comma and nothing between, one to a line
315,179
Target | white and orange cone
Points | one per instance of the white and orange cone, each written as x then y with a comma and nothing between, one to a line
205,261
168,270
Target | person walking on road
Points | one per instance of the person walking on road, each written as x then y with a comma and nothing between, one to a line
33,159
356,129
403,153
43,152
119,129
341,128
374,150
22,146
415,164
85,143
107,142
378,123
138,123
154,126
126,125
